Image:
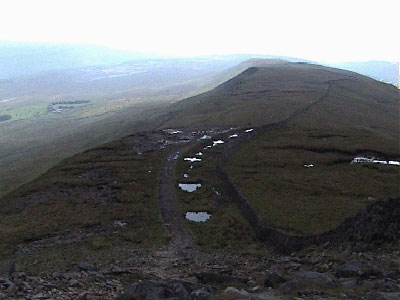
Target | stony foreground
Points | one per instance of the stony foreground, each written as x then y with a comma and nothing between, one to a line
320,273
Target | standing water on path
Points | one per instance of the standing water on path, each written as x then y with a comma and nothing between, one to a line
192,159
189,187
215,143
200,216
361,160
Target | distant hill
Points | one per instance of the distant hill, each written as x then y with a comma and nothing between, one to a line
22,58
380,70
18,59
300,93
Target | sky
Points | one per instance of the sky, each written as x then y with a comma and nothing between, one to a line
319,30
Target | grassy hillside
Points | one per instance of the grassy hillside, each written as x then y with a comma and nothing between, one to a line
120,100
87,208
330,116
305,93
270,171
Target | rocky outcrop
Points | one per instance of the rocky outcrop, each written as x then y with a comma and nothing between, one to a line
174,290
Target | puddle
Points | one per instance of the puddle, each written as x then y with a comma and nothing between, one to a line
207,147
309,166
199,153
200,216
215,143
119,223
192,159
205,137
373,160
232,136
185,175
173,131
189,187
249,130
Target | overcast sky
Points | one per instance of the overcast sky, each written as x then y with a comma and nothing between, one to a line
323,30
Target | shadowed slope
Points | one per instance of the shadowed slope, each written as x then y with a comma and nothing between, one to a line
326,97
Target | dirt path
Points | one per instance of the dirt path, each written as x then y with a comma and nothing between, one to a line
172,217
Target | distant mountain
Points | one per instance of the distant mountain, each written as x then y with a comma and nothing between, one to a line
380,70
22,59
297,93
19,59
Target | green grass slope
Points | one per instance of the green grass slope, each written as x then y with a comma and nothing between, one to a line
270,172
95,206
305,93
331,116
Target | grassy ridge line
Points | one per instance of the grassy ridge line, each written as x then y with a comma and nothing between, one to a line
271,94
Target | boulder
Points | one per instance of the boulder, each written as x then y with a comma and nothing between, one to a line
320,280
201,294
290,286
143,290
350,269
173,290
208,277
273,278
383,296
84,266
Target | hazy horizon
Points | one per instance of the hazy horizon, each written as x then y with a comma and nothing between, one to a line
311,30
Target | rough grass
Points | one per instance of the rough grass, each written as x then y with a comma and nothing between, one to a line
264,95
66,203
269,171
226,229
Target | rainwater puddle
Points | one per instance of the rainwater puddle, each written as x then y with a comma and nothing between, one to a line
373,160
232,136
205,137
249,130
215,143
189,187
192,159
200,216
120,223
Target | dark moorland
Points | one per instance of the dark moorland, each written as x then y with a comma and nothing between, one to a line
266,158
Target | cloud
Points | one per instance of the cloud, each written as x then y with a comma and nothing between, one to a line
316,30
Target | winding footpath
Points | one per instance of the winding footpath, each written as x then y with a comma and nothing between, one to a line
173,220
181,239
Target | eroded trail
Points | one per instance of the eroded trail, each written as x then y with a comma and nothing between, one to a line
172,218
